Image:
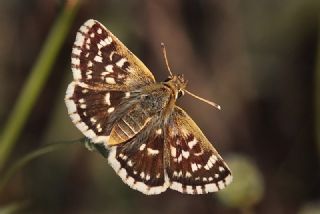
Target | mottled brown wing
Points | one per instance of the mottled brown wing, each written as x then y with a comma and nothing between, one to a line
107,76
100,59
139,161
192,163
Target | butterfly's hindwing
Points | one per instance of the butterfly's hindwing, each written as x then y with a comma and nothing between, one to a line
194,166
139,162
92,110
100,59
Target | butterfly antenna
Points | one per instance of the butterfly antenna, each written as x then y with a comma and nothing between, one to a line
165,57
204,100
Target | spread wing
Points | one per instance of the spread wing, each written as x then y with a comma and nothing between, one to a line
140,161
192,163
106,77
100,59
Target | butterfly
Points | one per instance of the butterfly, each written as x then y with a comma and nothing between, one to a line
115,101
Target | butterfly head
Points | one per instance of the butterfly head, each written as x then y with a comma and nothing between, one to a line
177,83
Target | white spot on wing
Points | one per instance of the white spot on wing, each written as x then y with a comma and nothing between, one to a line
79,39
71,106
210,162
228,179
147,177
83,29
106,41
142,175
173,151
107,99
176,186
99,47
70,90
185,154
89,133
211,188
121,62
192,143
153,151
75,61
142,147
199,189
189,189
76,51
93,120
110,110
75,117
194,167
159,131
188,174
98,59
110,80
109,69
221,169
82,127
89,23
221,185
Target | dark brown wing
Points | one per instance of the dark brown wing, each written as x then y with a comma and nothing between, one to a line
100,59
106,75
139,162
192,163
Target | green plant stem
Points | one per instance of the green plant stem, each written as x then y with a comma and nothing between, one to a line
36,80
317,92
29,157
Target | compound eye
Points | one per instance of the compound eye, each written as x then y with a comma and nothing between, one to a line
180,93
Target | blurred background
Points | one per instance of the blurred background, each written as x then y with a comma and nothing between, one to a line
259,60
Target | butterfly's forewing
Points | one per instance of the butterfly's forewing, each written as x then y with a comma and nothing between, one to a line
193,165
99,58
92,110
139,162
105,72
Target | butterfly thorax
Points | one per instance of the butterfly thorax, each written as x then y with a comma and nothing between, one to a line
153,101
176,85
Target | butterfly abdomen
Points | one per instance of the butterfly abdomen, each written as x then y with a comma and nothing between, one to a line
151,102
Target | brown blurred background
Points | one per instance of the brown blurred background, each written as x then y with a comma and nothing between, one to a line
257,59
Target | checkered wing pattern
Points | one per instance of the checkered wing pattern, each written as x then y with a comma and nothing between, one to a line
193,165
105,74
140,161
